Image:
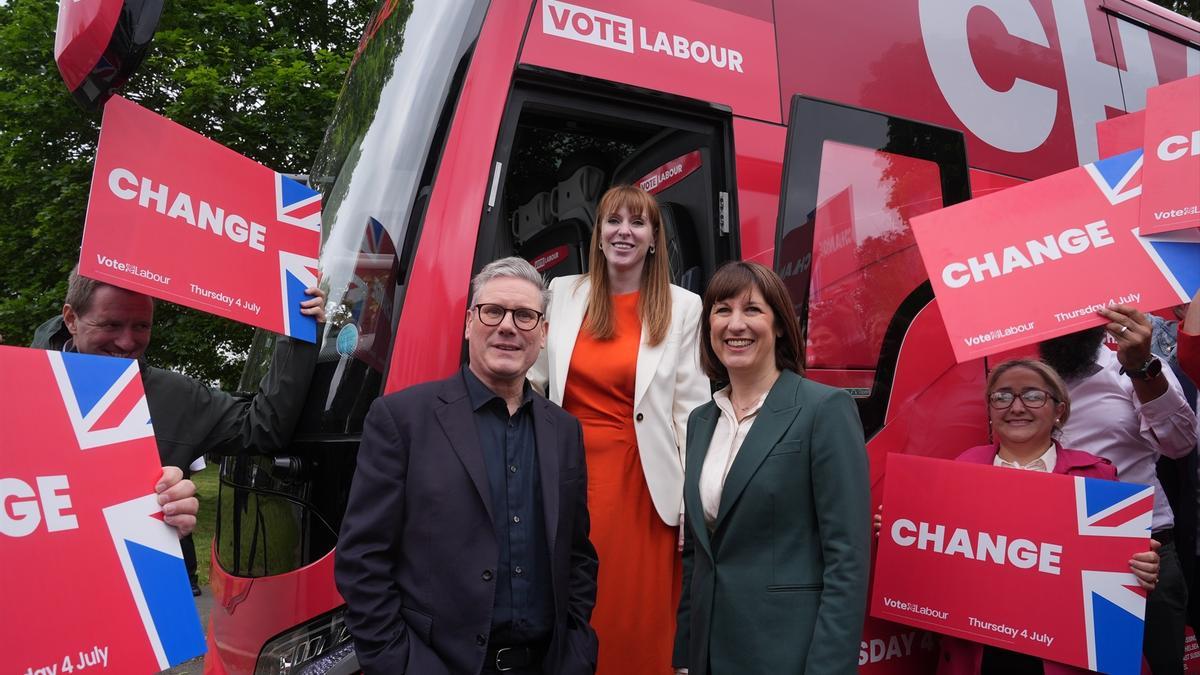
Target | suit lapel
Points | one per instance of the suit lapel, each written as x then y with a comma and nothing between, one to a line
647,364
566,324
456,418
546,433
704,425
774,418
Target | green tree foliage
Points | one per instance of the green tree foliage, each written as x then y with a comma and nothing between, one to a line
1188,8
258,77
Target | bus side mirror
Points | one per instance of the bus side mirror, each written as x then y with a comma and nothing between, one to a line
100,43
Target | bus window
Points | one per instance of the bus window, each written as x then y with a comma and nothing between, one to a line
865,260
560,151
852,181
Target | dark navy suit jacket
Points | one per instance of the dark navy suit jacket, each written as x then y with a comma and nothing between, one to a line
417,556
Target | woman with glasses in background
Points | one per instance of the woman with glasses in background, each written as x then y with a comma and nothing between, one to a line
1028,405
622,356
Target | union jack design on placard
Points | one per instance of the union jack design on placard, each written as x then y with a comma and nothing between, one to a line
1114,604
297,273
1177,256
1119,177
297,204
101,404
95,575
154,569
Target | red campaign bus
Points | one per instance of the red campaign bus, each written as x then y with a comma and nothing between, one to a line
803,135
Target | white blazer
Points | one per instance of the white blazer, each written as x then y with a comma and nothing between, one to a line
668,386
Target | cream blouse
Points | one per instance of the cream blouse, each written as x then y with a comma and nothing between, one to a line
726,441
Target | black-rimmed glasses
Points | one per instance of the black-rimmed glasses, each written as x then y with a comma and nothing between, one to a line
493,315
1030,398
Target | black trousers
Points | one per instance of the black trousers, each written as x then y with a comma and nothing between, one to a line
1166,616
189,556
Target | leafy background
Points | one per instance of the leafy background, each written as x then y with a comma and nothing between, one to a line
258,77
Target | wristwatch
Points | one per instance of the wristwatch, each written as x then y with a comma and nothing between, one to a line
1149,370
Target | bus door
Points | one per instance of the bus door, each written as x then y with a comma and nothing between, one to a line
852,181
563,143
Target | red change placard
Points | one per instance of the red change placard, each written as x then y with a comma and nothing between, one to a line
1171,185
174,215
1032,562
93,579
1121,134
1037,260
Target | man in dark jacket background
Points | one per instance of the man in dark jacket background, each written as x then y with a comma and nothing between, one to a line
190,418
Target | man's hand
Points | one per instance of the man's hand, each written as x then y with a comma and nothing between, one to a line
1145,566
1131,329
177,495
315,306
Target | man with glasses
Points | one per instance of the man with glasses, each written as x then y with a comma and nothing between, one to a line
1129,410
464,548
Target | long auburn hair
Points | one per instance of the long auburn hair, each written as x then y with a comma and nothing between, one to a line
654,300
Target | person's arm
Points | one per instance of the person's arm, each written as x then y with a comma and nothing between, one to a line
581,596
1189,340
692,388
841,496
1164,413
368,546
177,496
683,617
265,423
1132,331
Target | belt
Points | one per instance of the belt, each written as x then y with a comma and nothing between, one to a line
503,659
1163,537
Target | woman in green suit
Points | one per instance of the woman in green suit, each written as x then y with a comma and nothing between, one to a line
776,493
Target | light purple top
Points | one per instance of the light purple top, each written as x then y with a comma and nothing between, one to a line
1108,420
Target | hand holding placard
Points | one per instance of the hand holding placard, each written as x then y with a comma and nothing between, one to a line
948,563
176,216
1037,260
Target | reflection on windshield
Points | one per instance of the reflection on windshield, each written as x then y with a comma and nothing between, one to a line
369,171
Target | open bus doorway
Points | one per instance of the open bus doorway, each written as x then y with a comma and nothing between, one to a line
560,150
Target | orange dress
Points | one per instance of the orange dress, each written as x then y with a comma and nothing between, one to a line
640,568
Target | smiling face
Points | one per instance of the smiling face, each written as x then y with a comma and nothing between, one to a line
625,239
117,323
1020,427
742,331
502,354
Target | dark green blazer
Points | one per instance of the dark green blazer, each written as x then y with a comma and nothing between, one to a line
780,584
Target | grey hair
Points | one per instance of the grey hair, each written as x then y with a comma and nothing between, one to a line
512,267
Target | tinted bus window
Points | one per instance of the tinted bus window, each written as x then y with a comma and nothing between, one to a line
865,260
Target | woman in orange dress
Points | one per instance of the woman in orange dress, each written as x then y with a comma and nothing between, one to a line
622,356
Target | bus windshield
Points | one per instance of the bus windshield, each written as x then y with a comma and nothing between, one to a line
376,158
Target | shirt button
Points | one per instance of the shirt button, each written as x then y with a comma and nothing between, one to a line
487,575
512,469
516,519
480,640
517,570
639,417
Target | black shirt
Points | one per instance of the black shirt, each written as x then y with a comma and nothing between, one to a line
524,604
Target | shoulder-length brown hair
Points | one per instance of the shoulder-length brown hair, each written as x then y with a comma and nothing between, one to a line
654,301
738,278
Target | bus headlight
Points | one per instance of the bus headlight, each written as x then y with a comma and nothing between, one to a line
315,647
